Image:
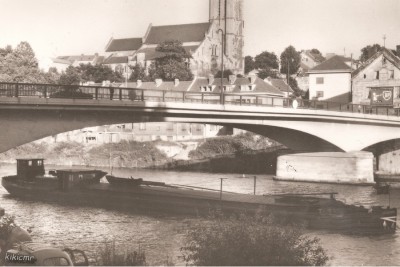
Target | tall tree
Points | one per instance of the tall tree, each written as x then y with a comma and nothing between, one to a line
174,62
138,73
89,72
249,64
290,61
266,60
71,76
368,51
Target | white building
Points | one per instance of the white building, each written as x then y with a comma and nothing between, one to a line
331,81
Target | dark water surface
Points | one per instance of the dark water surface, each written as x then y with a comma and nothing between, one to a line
161,236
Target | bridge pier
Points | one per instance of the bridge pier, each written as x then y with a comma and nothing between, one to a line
328,167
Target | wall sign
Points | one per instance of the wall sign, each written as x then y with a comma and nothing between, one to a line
381,96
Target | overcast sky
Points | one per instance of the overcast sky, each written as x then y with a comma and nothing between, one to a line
66,27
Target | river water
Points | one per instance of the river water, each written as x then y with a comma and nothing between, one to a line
161,236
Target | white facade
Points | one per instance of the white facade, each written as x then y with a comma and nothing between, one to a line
327,85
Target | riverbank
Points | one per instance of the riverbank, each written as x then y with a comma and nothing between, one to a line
246,153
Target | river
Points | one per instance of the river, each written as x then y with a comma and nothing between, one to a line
161,236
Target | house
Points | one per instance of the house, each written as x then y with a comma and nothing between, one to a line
280,84
309,60
377,81
61,63
331,81
120,54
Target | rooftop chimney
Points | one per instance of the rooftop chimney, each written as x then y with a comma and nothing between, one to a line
158,82
210,79
232,79
139,83
176,82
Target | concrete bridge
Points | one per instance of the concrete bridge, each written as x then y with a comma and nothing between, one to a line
31,112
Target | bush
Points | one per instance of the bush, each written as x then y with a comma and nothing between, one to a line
250,241
109,257
71,92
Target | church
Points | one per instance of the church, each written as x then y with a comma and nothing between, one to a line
203,41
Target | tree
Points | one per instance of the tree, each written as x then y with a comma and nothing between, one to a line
315,51
173,63
249,64
71,76
266,60
251,241
138,73
368,51
292,58
89,72
227,73
262,74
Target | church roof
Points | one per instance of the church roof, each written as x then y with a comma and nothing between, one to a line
334,64
127,44
183,33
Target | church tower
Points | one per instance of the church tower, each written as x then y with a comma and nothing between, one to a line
228,16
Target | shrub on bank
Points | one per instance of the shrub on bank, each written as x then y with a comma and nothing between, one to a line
109,256
251,241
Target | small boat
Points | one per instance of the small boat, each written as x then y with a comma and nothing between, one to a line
83,187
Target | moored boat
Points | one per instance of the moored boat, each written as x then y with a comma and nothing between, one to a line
83,187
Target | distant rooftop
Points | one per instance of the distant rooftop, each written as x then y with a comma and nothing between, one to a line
127,44
334,64
183,33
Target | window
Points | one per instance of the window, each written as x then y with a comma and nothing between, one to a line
365,76
39,163
320,80
391,74
377,75
142,126
30,163
320,93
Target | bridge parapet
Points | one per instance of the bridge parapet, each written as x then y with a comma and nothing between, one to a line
95,93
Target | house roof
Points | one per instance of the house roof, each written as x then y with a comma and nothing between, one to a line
183,33
281,85
385,52
151,53
261,86
61,61
181,86
127,44
116,60
334,64
316,57
78,58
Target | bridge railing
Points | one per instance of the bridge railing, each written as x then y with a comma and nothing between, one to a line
138,94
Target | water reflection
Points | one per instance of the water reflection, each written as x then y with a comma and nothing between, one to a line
162,235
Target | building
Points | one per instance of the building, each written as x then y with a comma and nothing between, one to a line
309,60
120,53
377,81
280,84
203,41
331,81
61,63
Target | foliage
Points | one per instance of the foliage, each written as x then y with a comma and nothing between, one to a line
315,51
138,73
229,145
292,58
293,84
250,241
109,256
227,73
89,72
265,73
20,65
368,51
173,62
249,64
7,223
266,60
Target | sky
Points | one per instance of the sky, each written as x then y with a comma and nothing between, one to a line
73,27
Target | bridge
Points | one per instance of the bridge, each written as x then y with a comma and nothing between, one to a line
32,111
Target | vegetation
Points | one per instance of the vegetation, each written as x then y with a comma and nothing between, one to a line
292,58
89,72
226,74
250,241
230,145
368,51
108,256
249,64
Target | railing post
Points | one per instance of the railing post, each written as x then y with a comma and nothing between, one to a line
240,100
16,90
96,93
45,91
120,94
272,102
142,95
256,100
202,98
327,105
183,96
163,96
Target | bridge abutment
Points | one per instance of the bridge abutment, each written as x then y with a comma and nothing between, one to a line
328,167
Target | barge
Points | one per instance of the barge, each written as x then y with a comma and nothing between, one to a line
83,187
